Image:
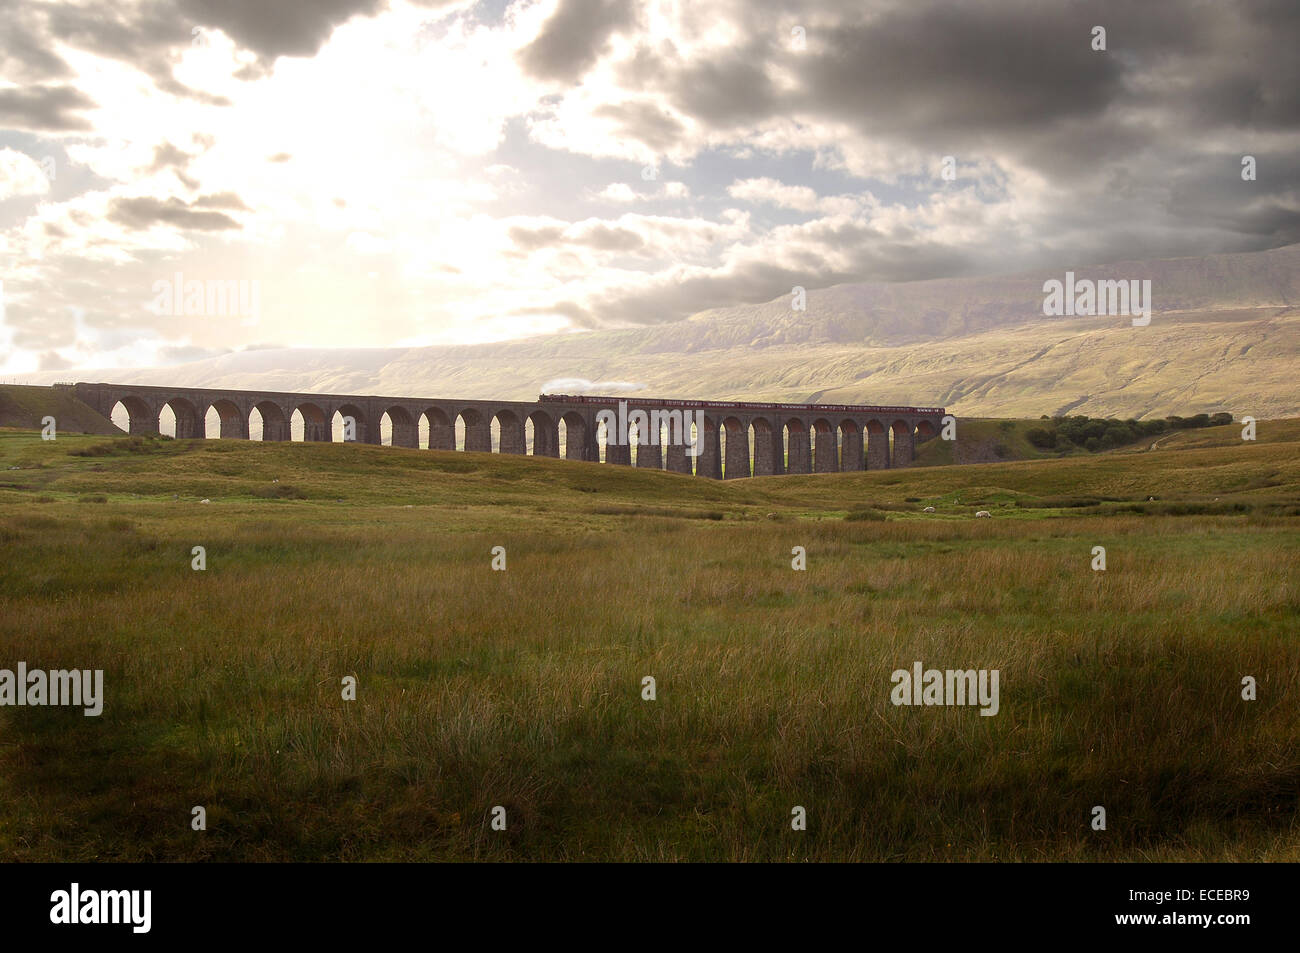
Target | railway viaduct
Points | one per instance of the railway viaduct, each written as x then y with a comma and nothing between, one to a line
739,439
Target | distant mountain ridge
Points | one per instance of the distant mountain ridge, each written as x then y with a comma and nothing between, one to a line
1224,335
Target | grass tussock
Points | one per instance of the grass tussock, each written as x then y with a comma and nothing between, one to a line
280,491
522,688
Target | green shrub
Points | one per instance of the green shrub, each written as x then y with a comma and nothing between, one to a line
137,444
1040,438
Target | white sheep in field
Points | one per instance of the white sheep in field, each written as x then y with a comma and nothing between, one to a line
984,513
928,509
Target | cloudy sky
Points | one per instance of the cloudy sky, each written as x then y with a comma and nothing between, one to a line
401,173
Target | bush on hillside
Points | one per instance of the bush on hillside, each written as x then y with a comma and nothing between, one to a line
1040,438
129,445
1098,433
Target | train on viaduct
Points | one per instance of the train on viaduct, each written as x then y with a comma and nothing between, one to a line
739,438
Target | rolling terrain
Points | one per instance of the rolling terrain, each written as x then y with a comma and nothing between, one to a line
523,688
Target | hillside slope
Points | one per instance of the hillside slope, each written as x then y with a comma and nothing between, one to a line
23,407
1224,336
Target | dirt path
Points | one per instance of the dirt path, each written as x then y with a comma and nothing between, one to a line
1159,440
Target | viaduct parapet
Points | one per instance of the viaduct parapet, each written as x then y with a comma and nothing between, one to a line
738,438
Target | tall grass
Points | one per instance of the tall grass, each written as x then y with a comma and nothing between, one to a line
523,688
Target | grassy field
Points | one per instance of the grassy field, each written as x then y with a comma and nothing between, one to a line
522,688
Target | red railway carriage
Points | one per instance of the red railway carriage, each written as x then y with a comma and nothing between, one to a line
738,405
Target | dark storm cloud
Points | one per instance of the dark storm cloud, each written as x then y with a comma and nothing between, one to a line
44,108
768,274
152,36
574,37
145,212
725,92
1017,83
282,28
996,74
110,30
644,122
1211,191
23,54
927,72
147,37
604,237
1237,66
532,239
594,234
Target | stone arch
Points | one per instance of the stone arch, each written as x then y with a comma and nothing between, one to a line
338,426
575,436
544,441
736,449
925,429
511,432
274,423
477,431
231,424
851,446
403,431
903,446
877,446
798,448
441,429
188,422
826,456
137,415
315,428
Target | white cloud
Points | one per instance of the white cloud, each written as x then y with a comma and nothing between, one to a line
770,191
617,192
20,174
363,243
